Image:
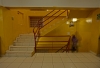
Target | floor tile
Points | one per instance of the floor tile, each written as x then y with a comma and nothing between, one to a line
75,60
55,55
57,60
47,60
14,65
66,60
79,55
25,65
11,59
98,64
69,65
80,65
52,60
71,55
3,59
20,59
88,55
29,59
38,60
58,65
4,65
64,55
94,59
47,65
85,60
91,65
48,57
36,65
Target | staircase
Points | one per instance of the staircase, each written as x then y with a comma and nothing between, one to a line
26,44
23,46
52,26
42,31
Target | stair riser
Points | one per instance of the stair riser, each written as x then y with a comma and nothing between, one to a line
21,49
24,44
24,37
14,54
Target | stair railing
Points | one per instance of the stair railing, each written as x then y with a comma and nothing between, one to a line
37,32
67,46
53,19
44,21
49,21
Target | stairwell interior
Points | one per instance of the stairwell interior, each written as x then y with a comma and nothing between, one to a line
46,31
26,45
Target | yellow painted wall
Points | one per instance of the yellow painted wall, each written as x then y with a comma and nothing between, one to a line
83,34
1,29
5,29
81,29
95,32
63,29
21,21
12,24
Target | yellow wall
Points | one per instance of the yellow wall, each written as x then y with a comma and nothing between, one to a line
81,29
1,28
83,34
95,31
5,29
12,24
63,29
21,21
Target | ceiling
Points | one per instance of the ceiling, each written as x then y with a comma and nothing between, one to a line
74,12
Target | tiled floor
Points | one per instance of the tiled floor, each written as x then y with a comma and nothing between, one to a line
52,60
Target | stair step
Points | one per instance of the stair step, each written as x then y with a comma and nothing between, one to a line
21,48
24,40
19,53
24,44
27,36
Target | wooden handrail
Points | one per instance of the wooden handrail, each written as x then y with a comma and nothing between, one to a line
51,16
53,19
66,46
38,29
45,20
42,18
61,48
49,21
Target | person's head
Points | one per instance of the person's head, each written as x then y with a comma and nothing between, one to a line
73,36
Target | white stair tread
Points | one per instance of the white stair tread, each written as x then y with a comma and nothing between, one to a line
19,51
22,46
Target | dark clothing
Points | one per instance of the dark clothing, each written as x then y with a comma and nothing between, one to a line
74,41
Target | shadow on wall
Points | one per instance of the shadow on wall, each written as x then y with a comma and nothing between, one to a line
79,38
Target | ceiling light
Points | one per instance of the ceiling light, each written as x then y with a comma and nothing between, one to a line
74,19
89,20
67,22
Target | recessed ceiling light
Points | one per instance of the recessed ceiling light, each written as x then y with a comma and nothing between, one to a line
74,19
67,22
89,20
